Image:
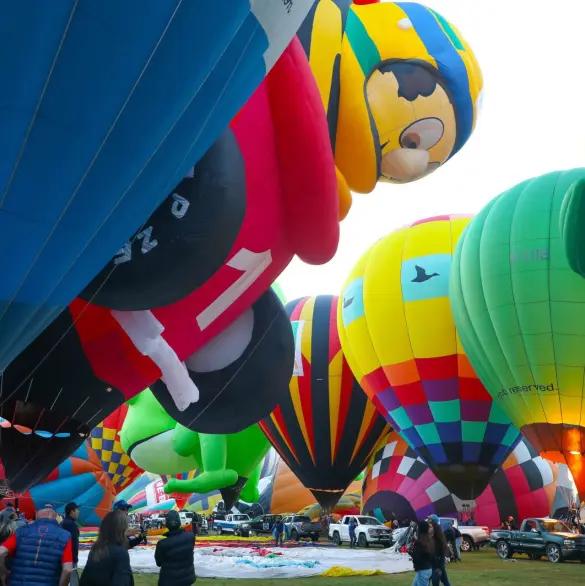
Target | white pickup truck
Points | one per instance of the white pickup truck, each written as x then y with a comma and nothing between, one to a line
232,524
368,530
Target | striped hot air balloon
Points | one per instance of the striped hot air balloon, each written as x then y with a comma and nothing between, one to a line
326,428
105,441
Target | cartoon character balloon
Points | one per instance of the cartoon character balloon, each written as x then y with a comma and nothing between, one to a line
520,312
82,169
325,428
400,86
398,335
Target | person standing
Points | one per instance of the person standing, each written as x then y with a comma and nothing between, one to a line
458,542
174,554
109,562
422,552
139,537
278,532
352,535
440,552
7,512
40,553
70,524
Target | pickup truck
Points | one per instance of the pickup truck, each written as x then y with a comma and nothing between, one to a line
473,535
297,526
538,537
236,524
263,524
369,530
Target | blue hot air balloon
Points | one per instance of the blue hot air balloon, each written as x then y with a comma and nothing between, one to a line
105,107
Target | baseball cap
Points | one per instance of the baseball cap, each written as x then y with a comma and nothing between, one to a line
173,520
122,506
434,518
70,507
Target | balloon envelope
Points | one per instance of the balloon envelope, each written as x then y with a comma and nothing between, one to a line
325,428
82,169
398,335
520,312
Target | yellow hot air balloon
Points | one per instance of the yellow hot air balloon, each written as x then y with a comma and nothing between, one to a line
398,335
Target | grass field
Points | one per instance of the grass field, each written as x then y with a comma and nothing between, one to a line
482,568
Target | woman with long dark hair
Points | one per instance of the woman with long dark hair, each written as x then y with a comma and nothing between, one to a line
109,562
422,553
441,552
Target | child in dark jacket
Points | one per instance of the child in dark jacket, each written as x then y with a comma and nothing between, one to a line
174,555
422,553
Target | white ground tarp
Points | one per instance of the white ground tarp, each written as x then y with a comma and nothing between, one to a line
245,562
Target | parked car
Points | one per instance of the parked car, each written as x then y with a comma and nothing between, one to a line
297,526
368,530
236,524
478,535
538,537
263,524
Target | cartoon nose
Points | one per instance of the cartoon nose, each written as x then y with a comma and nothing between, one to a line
405,164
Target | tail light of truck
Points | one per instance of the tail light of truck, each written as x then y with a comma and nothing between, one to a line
486,529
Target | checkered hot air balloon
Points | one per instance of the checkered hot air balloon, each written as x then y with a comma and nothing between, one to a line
105,441
326,428
399,337
398,483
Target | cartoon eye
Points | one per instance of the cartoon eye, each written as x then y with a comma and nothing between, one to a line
422,134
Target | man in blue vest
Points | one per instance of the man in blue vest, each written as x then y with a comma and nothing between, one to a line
41,553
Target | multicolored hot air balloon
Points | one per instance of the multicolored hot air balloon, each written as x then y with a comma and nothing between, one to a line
105,441
520,312
400,86
398,335
399,484
81,479
82,169
326,428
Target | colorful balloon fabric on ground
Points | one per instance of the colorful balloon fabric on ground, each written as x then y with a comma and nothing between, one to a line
105,441
520,312
400,86
275,228
81,170
398,335
399,483
81,479
325,429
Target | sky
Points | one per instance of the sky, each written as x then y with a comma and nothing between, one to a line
532,122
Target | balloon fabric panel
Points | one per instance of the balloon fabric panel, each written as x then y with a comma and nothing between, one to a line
520,311
326,428
75,186
398,334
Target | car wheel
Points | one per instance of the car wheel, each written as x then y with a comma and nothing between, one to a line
363,540
336,538
294,535
220,530
504,550
467,544
553,553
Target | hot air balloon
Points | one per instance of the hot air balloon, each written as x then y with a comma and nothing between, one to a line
398,335
399,484
105,442
131,349
82,169
80,479
520,313
400,86
325,428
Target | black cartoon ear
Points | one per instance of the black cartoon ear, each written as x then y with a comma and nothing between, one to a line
184,242
247,389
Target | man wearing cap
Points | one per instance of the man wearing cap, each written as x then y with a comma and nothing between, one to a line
70,524
41,553
133,540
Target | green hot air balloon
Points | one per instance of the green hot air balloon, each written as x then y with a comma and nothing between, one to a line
520,314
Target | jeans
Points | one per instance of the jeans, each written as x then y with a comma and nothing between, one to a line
443,578
352,539
458,543
422,578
